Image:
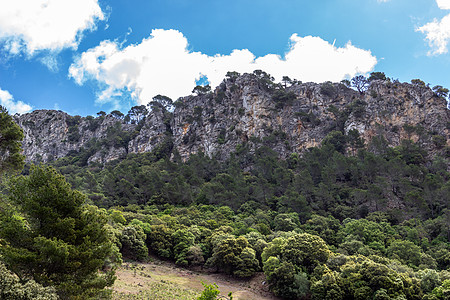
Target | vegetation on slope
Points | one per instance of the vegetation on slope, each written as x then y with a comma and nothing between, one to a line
343,221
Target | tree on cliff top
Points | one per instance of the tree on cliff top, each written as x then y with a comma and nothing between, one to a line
440,91
201,90
377,76
163,101
360,83
137,113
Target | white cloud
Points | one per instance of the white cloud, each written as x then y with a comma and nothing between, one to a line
50,61
162,64
443,4
13,106
33,25
438,35
313,59
437,32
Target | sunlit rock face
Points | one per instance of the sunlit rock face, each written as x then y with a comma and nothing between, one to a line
51,134
244,110
247,111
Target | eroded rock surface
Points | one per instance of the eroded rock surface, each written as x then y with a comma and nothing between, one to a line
247,110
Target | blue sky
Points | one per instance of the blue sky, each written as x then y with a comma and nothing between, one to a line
83,56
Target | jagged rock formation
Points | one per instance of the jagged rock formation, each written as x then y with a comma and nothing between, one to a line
248,110
51,134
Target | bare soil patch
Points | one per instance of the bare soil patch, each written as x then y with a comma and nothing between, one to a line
135,278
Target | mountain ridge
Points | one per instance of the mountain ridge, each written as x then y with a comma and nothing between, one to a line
248,109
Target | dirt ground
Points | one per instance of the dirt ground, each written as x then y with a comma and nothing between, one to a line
134,277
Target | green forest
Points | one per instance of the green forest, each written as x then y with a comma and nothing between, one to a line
345,220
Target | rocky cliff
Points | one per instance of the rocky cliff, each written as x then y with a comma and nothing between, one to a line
248,110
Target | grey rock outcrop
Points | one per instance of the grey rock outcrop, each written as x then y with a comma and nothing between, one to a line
152,133
248,110
51,134
244,110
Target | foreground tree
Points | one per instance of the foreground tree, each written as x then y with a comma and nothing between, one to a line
49,235
11,136
12,288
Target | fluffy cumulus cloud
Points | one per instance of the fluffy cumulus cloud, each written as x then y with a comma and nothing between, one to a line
443,4
437,32
27,26
13,106
163,64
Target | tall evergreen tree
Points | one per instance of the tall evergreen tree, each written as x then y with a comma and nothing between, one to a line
52,237
11,136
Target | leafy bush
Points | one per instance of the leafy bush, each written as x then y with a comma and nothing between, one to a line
283,98
133,243
328,89
13,288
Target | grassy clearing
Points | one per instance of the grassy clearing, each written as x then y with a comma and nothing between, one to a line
159,280
159,291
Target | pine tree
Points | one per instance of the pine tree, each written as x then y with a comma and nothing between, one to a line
11,136
51,236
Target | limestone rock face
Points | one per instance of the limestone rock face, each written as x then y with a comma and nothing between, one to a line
292,119
51,134
248,110
154,129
